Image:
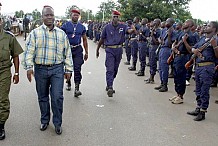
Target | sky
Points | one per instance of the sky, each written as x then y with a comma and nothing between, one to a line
200,9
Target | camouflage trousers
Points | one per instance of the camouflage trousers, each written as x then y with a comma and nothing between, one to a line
5,83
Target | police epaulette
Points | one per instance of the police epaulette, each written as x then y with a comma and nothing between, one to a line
8,32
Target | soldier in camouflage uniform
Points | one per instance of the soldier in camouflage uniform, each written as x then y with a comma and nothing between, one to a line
9,50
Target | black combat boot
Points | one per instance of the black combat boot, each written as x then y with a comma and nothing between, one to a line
150,80
133,67
163,88
195,112
140,73
107,88
2,131
127,63
200,116
77,92
110,92
158,87
214,84
68,88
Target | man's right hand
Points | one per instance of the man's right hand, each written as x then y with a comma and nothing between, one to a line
29,75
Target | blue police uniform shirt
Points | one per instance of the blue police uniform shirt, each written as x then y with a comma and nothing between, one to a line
191,40
137,27
145,31
164,35
196,35
157,34
114,35
74,32
208,53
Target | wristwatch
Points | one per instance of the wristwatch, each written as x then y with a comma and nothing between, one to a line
16,74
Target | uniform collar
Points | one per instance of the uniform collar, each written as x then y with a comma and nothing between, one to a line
46,27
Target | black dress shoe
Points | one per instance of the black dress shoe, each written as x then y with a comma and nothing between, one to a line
2,134
107,88
58,130
132,68
43,127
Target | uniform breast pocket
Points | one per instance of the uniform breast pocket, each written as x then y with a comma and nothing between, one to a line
5,52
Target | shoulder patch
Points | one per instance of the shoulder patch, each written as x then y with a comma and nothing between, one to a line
10,33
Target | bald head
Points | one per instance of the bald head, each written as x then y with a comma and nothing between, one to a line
170,22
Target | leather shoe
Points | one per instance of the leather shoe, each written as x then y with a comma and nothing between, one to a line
58,130
43,127
2,134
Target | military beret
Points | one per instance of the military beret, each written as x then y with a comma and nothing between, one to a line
75,11
115,12
47,6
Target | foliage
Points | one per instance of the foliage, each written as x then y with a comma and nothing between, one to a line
19,14
105,10
152,9
36,14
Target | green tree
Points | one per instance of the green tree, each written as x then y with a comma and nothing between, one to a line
19,14
36,14
105,10
152,9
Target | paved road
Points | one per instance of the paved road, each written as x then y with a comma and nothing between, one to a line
137,115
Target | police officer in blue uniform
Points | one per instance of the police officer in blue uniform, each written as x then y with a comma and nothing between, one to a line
75,31
134,44
206,51
144,33
168,37
155,34
113,36
181,49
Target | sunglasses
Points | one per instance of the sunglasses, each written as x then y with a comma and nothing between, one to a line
115,16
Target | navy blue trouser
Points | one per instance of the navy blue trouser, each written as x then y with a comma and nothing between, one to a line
50,80
153,59
78,60
203,78
163,65
143,51
128,50
112,62
134,51
180,73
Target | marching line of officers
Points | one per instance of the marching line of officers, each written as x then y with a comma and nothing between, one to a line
52,53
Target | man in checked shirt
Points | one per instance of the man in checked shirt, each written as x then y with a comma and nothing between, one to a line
48,51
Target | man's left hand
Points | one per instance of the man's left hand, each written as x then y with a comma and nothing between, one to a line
86,57
67,76
16,79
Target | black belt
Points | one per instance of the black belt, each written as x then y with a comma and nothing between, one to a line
181,54
74,46
48,65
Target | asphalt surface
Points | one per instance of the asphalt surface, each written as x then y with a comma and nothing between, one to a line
137,115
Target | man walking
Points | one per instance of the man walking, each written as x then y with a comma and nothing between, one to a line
48,50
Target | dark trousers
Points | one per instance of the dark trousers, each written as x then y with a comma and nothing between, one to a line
50,80
153,59
128,50
78,60
203,78
112,62
163,66
134,51
143,49
180,73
